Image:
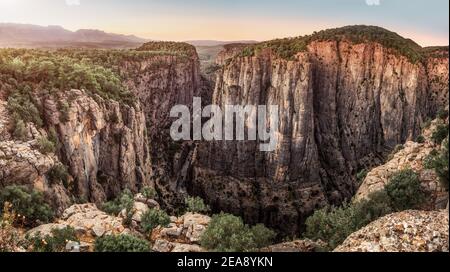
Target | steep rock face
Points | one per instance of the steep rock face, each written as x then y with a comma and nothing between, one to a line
21,163
103,142
161,82
437,71
229,51
342,105
270,187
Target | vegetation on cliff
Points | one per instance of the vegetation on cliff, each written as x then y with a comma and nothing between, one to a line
26,75
287,48
56,242
334,224
121,243
438,161
29,205
182,49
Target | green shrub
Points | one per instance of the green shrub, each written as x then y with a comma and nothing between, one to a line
440,134
121,243
262,236
228,233
148,192
21,105
64,109
154,218
20,130
29,204
378,204
45,146
54,138
334,224
56,242
196,205
405,191
58,173
124,202
438,161
420,139
442,114
361,176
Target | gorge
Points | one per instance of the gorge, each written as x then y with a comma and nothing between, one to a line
346,98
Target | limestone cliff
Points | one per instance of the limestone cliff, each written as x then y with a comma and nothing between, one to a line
102,142
108,140
161,82
344,101
229,51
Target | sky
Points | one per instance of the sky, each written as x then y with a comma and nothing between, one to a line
425,21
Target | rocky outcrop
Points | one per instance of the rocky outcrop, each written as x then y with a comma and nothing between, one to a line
182,235
103,143
437,71
341,106
88,221
229,51
21,163
410,231
411,156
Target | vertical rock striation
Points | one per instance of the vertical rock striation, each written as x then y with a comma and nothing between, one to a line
342,105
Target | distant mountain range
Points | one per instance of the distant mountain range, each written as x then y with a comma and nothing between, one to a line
54,36
27,35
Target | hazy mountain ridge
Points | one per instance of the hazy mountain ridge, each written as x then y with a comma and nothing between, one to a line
25,34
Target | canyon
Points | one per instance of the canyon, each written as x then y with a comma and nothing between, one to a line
344,104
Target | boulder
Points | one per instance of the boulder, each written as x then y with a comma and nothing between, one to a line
45,230
182,234
139,210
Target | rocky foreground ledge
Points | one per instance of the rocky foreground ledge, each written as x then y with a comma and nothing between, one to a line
409,231
181,235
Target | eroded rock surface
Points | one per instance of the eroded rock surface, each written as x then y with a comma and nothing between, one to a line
412,157
409,231
182,235
342,106
87,220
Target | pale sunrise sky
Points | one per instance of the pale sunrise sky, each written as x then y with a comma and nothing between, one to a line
425,21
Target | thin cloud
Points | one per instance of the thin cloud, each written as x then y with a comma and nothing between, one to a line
73,2
373,2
